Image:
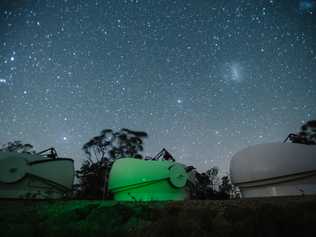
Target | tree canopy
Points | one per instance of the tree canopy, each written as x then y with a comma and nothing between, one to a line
308,132
306,135
18,146
110,145
101,152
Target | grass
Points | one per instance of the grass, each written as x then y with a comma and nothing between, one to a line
294,216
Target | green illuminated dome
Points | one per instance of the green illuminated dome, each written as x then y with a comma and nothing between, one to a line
142,180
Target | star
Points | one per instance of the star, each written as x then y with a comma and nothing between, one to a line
179,101
200,83
3,81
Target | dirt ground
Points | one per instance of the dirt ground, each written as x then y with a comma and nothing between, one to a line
291,216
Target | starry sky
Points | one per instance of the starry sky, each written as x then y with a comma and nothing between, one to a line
203,78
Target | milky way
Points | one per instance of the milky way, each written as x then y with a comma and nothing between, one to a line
203,78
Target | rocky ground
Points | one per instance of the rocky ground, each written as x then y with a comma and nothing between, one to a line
245,217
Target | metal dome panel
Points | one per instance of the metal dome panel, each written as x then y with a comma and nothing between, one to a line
146,180
266,161
178,176
24,175
12,169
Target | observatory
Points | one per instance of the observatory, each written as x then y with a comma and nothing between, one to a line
275,169
147,180
37,176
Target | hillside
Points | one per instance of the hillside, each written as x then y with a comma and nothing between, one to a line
245,217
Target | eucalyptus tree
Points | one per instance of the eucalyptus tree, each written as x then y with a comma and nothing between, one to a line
18,146
101,151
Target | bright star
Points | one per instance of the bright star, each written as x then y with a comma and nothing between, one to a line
3,81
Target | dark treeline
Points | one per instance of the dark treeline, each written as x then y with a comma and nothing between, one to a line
103,150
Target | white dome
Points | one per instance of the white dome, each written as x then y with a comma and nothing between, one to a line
272,160
275,169
25,175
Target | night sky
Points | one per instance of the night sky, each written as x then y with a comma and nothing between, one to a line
203,78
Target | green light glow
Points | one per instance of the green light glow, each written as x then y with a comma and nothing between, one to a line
140,180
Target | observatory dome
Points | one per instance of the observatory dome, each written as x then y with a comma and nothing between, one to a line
275,169
35,176
147,180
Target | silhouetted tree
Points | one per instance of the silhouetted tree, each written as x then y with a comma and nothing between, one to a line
201,185
212,173
225,188
307,134
208,185
18,146
127,143
101,152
